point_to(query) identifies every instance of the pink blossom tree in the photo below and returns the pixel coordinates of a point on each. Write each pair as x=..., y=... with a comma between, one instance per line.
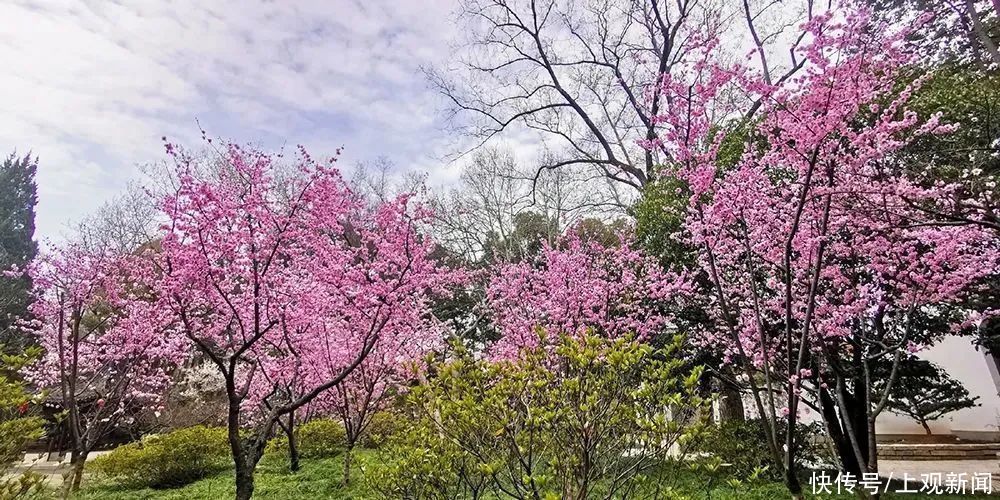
x=576, y=286
x=103, y=359
x=819, y=264
x=405, y=337
x=270, y=280
x=385, y=374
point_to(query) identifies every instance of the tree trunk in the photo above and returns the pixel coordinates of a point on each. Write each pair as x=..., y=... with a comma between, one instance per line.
x=68, y=385
x=293, y=447
x=78, y=471
x=246, y=462
x=347, y=463
x=927, y=428
x=244, y=465
x=858, y=405
x=791, y=470
x=74, y=478
x=835, y=428
x=731, y=405
x=244, y=479
x=872, y=447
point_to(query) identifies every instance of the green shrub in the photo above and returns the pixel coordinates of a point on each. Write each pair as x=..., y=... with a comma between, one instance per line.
x=18, y=427
x=321, y=438
x=166, y=460
x=421, y=464
x=15, y=434
x=743, y=447
x=317, y=438
x=23, y=486
x=383, y=426
x=584, y=419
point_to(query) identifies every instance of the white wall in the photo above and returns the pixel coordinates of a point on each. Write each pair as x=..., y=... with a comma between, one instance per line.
x=977, y=372
x=959, y=357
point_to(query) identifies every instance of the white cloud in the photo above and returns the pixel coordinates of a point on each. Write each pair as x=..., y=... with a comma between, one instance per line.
x=92, y=86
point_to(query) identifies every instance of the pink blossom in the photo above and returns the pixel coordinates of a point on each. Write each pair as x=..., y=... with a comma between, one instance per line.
x=816, y=237
x=289, y=287
x=576, y=286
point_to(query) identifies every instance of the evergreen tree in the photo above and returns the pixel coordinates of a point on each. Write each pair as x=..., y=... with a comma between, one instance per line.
x=924, y=391
x=18, y=197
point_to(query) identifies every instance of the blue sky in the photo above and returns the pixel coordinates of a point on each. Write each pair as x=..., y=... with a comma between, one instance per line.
x=91, y=87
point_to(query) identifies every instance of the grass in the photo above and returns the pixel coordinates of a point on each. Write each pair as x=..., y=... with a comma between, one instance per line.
x=322, y=478
x=316, y=479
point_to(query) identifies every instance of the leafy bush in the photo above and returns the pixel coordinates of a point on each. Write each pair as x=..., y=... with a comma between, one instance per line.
x=23, y=486
x=743, y=446
x=589, y=417
x=317, y=438
x=421, y=464
x=18, y=426
x=383, y=426
x=321, y=438
x=166, y=460
x=14, y=435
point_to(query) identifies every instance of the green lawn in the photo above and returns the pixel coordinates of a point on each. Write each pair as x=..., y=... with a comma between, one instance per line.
x=321, y=479
x=316, y=479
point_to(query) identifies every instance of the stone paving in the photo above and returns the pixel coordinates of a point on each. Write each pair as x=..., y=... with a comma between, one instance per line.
x=916, y=467
x=53, y=470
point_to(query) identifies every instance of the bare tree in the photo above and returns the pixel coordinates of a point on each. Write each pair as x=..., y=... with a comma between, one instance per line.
x=960, y=31
x=499, y=206
x=379, y=180
x=482, y=206
x=974, y=20
x=579, y=71
x=121, y=225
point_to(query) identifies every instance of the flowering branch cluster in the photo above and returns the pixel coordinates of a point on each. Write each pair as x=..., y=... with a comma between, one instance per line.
x=576, y=286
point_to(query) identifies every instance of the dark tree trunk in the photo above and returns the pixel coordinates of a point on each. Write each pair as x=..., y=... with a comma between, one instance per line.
x=859, y=407
x=872, y=448
x=835, y=428
x=927, y=428
x=731, y=405
x=791, y=468
x=859, y=425
x=78, y=471
x=246, y=460
x=293, y=447
x=839, y=423
x=243, y=461
x=244, y=479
